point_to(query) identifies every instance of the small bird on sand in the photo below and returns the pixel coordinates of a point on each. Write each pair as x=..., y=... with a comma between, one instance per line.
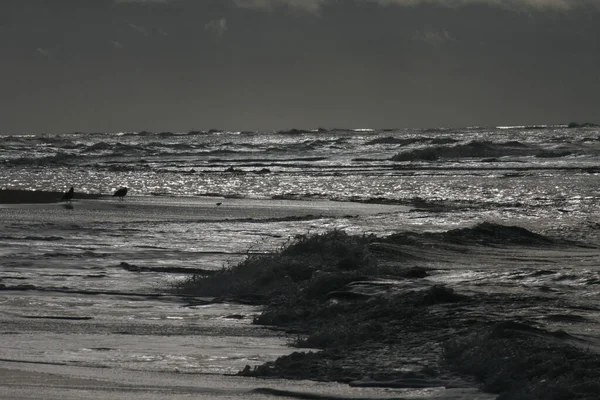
x=68, y=195
x=121, y=193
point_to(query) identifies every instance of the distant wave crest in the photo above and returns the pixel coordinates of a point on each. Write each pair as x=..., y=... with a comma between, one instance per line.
x=480, y=149
x=408, y=141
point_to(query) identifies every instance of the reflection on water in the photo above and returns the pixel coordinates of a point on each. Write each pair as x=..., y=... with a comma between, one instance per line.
x=73, y=301
x=65, y=266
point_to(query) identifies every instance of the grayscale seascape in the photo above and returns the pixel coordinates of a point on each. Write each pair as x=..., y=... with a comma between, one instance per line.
x=88, y=286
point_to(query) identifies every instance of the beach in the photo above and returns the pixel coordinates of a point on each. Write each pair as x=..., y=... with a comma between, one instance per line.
x=101, y=330
x=300, y=199
x=444, y=263
x=408, y=307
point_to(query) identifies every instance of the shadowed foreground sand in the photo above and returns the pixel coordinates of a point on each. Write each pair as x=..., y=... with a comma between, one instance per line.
x=55, y=382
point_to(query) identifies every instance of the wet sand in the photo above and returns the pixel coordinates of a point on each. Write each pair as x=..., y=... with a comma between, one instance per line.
x=126, y=341
x=409, y=316
x=51, y=382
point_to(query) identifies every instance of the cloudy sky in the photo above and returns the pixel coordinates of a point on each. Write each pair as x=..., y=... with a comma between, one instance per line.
x=178, y=65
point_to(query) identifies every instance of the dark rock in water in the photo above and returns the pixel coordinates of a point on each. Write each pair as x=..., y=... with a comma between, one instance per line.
x=263, y=171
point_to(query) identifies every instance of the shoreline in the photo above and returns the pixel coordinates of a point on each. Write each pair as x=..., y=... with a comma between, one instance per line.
x=27, y=381
x=20, y=196
x=379, y=308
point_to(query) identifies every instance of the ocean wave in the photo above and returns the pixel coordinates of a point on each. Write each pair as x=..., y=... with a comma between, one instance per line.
x=83, y=254
x=162, y=146
x=531, y=127
x=437, y=130
x=264, y=162
x=307, y=145
x=408, y=141
x=33, y=238
x=480, y=149
x=294, y=131
x=556, y=153
x=167, y=134
x=123, y=167
x=60, y=158
x=484, y=234
x=115, y=147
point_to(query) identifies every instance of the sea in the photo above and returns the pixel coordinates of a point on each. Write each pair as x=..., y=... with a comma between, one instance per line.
x=89, y=283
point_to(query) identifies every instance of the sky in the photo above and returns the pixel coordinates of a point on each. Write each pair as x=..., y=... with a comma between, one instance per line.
x=181, y=65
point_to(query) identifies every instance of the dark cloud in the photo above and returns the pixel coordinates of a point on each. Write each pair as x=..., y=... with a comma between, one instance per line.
x=126, y=65
x=315, y=6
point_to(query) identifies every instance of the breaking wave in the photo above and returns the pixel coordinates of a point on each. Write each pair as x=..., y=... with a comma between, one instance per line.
x=481, y=149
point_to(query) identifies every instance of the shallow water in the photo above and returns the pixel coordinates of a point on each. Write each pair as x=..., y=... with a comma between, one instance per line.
x=72, y=301
x=67, y=300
